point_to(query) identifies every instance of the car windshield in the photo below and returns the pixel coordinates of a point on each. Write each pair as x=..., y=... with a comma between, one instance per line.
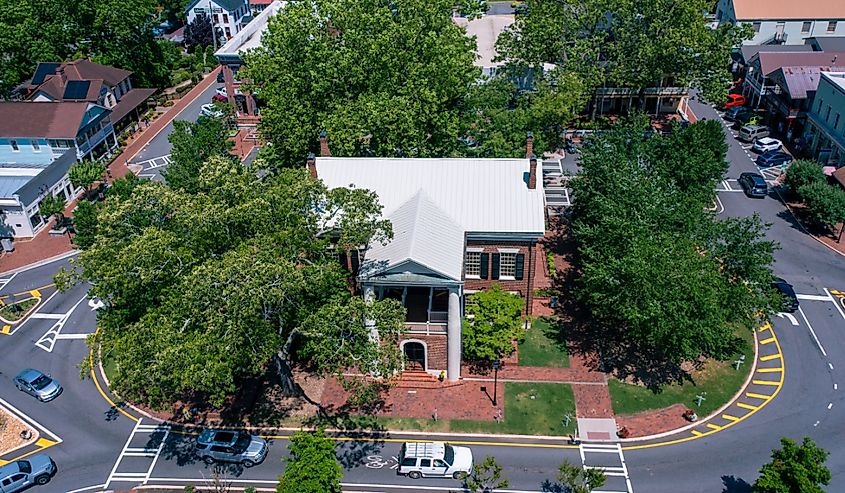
x=244, y=439
x=41, y=382
x=449, y=455
x=24, y=466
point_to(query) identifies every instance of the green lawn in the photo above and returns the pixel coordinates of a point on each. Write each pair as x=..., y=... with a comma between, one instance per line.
x=719, y=379
x=15, y=311
x=543, y=345
x=542, y=415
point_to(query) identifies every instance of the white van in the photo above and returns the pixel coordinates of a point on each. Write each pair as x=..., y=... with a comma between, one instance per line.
x=749, y=133
x=434, y=459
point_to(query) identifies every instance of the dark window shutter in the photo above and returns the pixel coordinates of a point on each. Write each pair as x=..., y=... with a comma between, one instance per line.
x=341, y=257
x=356, y=261
x=495, y=266
x=520, y=266
x=485, y=265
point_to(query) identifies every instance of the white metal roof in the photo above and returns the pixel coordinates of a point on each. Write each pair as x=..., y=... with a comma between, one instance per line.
x=480, y=195
x=423, y=233
x=250, y=36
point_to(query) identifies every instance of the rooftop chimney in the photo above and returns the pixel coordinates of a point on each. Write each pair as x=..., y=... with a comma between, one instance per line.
x=311, y=162
x=529, y=145
x=324, y=144
x=532, y=171
x=62, y=74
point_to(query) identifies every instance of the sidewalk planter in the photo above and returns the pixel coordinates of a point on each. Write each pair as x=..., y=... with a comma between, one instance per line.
x=690, y=416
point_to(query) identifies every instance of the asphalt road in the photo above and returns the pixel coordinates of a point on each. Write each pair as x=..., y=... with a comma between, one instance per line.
x=154, y=156
x=95, y=435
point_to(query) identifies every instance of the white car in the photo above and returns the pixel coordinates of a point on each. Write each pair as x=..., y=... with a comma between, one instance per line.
x=434, y=459
x=222, y=92
x=211, y=110
x=766, y=144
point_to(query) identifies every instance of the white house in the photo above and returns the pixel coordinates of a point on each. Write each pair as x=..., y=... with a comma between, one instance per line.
x=227, y=15
x=784, y=21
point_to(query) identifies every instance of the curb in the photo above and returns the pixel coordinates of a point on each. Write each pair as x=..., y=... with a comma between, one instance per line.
x=801, y=225
x=39, y=263
x=36, y=434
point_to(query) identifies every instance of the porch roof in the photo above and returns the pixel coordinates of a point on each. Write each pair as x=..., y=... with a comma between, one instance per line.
x=423, y=234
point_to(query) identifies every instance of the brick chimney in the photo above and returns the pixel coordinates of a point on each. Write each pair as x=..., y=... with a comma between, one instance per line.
x=529, y=145
x=311, y=162
x=532, y=171
x=324, y=144
x=62, y=74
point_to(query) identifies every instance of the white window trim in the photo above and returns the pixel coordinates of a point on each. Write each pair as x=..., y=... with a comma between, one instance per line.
x=508, y=250
x=474, y=250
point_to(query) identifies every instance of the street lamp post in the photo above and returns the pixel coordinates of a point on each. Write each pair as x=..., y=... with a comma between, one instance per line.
x=496, y=365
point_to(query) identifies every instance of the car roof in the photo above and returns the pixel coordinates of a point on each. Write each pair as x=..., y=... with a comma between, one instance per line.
x=29, y=374
x=767, y=140
x=770, y=154
x=209, y=435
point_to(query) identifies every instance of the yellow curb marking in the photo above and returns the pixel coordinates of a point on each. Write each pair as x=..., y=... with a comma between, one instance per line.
x=768, y=341
x=3, y=462
x=44, y=443
x=746, y=406
x=770, y=357
x=765, y=382
x=697, y=433
x=757, y=396
x=711, y=425
x=769, y=370
x=100, y=389
x=6, y=329
x=35, y=293
x=729, y=417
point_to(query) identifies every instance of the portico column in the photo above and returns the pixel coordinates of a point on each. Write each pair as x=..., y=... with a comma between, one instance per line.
x=453, y=341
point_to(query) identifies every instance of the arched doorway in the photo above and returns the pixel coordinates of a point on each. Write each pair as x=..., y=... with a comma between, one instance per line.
x=414, y=353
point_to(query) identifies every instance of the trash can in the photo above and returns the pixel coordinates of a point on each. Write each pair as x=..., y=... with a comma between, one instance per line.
x=7, y=245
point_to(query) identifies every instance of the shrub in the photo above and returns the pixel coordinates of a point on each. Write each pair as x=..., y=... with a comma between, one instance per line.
x=802, y=173
x=168, y=103
x=825, y=203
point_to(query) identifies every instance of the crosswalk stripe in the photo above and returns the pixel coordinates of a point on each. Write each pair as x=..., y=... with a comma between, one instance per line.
x=769, y=370
x=770, y=357
x=768, y=341
x=757, y=396
x=729, y=417
x=765, y=382
x=696, y=433
x=746, y=406
x=711, y=425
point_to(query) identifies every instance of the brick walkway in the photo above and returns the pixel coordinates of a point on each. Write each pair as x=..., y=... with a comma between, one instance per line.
x=465, y=401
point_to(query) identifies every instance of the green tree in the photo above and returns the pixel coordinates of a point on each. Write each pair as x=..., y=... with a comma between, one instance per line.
x=205, y=289
x=199, y=34
x=193, y=144
x=53, y=206
x=85, y=173
x=385, y=79
x=85, y=224
x=493, y=322
x=579, y=480
x=312, y=466
x=803, y=172
x=486, y=477
x=825, y=203
x=794, y=468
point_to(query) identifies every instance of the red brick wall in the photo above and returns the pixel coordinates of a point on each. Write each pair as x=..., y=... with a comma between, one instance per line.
x=436, y=349
x=525, y=287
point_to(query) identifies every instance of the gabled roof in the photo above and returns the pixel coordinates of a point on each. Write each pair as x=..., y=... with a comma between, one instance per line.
x=422, y=234
x=82, y=69
x=46, y=120
x=250, y=36
x=748, y=51
x=480, y=195
x=827, y=43
x=228, y=5
x=788, y=9
x=769, y=62
x=130, y=101
x=800, y=80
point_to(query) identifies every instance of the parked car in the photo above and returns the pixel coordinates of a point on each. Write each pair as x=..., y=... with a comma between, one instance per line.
x=766, y=144
x=732, y=113
x=734, y=100
x=222, y=92
x=773, y=158
x=754, y=185
x=220, y=77
x=790, y=299
x=749, y=133
x=21, y=474
x=231, y=446
x=747, y=118
x=434, y=459
x=219, y=99
x=37, y=384
x=211, y=110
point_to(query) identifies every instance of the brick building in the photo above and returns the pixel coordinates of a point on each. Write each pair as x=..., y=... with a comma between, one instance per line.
x=459, y=226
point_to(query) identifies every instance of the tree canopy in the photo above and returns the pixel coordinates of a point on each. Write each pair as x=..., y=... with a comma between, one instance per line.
x=623, y=43
x=200, y=33
x=493, y=322
x=662, y=280
x=312, y=466
x=193, y=144
x=794, y=468
x=110, y=32
x=205, y=288
x=85, y=173
x=382, y=78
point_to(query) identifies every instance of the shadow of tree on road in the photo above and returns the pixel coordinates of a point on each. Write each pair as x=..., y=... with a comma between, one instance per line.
x=735, y=485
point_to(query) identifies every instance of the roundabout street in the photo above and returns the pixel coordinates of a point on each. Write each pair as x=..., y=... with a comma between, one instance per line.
x=97, y=446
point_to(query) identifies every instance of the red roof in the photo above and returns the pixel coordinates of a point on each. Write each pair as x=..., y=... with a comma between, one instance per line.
x=49, y=120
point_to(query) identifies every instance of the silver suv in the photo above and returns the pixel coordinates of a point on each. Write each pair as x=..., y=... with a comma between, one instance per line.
x=21, y=474
x=231, y=446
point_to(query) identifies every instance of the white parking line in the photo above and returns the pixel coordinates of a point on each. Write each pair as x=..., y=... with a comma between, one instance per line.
x=30, y=420
x=815, y=297
x=127, y=451
x=48, y=341
x=7, y=280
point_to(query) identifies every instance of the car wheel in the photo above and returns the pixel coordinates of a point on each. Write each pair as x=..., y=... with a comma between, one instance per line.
x=208, y=460
x=42, y=479
x=414, y=475
x=461, y=475
x=247, y=463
